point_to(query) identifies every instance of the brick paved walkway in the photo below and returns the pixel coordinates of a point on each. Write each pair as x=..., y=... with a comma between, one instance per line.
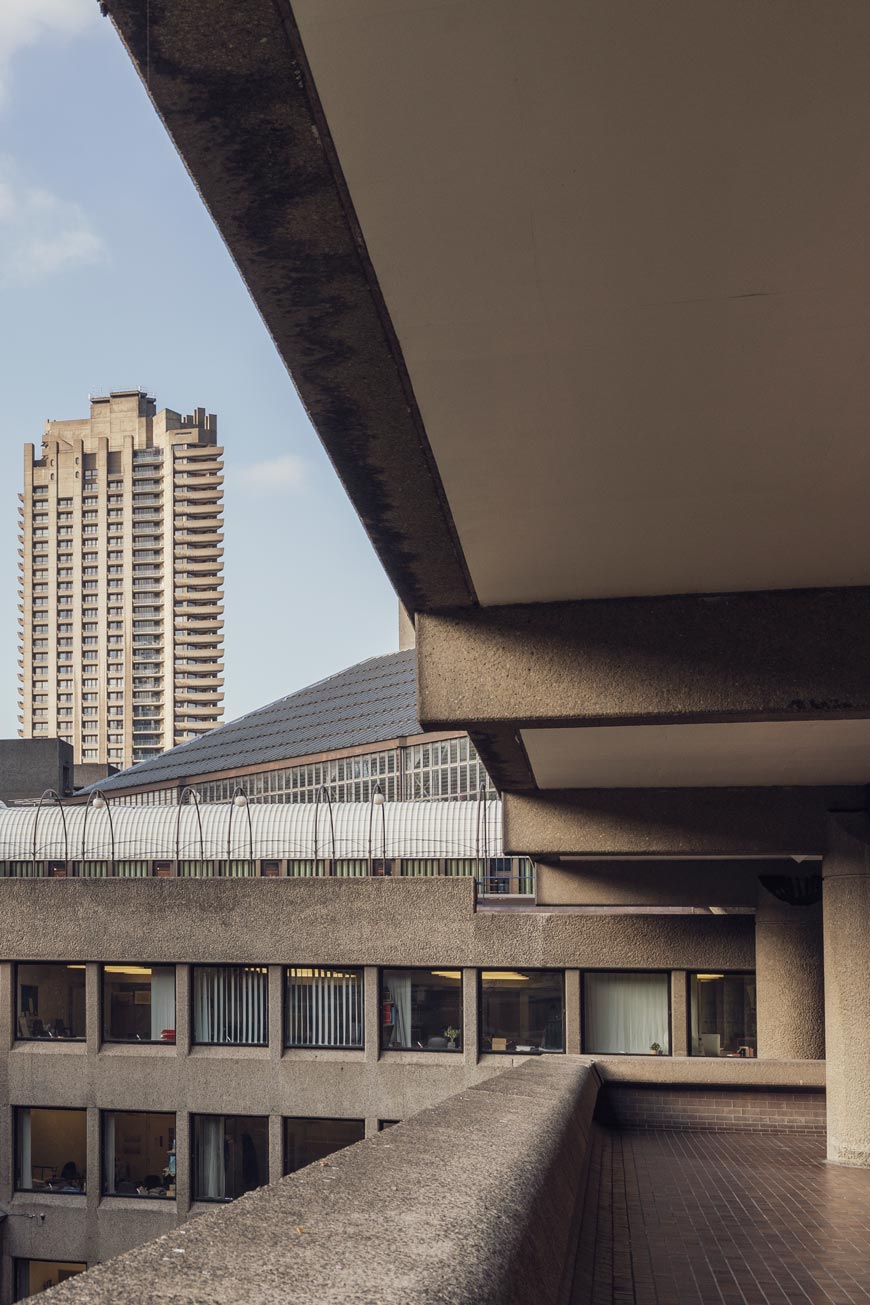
x=682, y=1218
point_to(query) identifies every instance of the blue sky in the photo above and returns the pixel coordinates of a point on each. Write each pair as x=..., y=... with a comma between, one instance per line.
x=112, y=276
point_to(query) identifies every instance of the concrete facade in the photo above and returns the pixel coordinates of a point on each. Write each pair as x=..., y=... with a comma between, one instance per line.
x=120, y=574
x=278, y=922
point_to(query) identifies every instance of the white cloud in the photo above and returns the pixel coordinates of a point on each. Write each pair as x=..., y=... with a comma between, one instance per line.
x=274, y=475
x=24, y=22
x=40, y=233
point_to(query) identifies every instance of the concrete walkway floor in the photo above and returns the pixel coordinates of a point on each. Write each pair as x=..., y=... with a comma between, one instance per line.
x=696, y=1218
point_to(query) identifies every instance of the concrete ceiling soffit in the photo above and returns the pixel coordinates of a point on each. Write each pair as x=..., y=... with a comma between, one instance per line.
x=231, y=84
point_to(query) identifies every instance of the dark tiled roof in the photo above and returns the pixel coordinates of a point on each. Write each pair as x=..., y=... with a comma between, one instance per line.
x=371, y=702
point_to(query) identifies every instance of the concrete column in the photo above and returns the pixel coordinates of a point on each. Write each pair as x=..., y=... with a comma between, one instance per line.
x=93, y=1029
x=8, y=1005
x=183, y=1162
x=789, y=979
x=846, y=902
x=573, y=1015
x=276, y=1013
x=371, y=1013
x=93, y=1164
x=183, y=1010
x=679, y=1014
x=470, y=1039
x=276, y=1148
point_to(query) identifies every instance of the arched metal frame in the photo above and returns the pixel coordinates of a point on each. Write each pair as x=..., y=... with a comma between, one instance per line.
x=238, y=791
x=482, y=837
x=328, y=796
x=83, y=845
x=190, y=792
x=381, y=806
x=50, y=793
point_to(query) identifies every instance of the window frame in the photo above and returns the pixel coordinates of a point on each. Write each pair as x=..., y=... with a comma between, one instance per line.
x=227, y=965
x=332, y=1046
x=726, y=974
x=105, y=1194
x=136, y=1042
x=601, y=969
x=530, y=969
x=16, y=1156
x=18, y=1037
x=383, y=1048
x=192, y=1117
x=316, y=1119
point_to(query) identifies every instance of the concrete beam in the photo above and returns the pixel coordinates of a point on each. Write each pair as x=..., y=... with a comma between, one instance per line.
x=428, y=922
x=232, y=85
x=787, y=655
x=655, y=883
x=674, y=822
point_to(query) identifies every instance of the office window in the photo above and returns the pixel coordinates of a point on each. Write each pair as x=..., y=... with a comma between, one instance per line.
x=722, y=1015
x=139, y=1003
x=138, y=1154
x=307, y=1140
x=323, y=1007
x=421, y=1010
x=522, y=1010
x=230, y=1005
x=626, y=1011
x=50, y=1150
x=50, y=1001
x=230, y=1156
x=34, y=1276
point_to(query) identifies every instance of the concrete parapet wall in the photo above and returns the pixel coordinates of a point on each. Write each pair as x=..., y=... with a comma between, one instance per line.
x=472, y=1202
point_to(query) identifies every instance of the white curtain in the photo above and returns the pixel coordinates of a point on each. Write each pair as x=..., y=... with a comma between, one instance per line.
x=162, y=1000
x=625, y=1012
x=109, y=1152
x=400, y=992
x=230, y=1004
x=210, y=1170
x=324, y=1008
x=25, y=1166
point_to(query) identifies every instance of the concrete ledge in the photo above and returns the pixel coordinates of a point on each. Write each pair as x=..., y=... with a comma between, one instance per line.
x=474, y=1202
x=709, y=1071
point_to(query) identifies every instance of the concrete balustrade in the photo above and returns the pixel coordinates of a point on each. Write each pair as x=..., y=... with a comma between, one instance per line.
x=476, y=1200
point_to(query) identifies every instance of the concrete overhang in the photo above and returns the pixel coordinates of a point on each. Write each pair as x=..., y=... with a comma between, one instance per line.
x=664, y=823
x=694, y=691
x=576, y=297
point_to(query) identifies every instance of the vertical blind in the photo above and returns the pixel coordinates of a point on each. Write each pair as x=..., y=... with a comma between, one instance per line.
x=324, y=1008
x=230, y=1004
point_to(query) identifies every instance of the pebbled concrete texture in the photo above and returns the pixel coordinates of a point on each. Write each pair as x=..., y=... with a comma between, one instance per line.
x=418, y=922
x=474, y=1202
x=789, y=970
x=673, y=822
x=786, y=654
x=846, y=917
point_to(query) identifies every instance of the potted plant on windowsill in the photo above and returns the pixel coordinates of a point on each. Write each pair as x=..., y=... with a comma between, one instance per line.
x=451, y=1035
x=656, y=1049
